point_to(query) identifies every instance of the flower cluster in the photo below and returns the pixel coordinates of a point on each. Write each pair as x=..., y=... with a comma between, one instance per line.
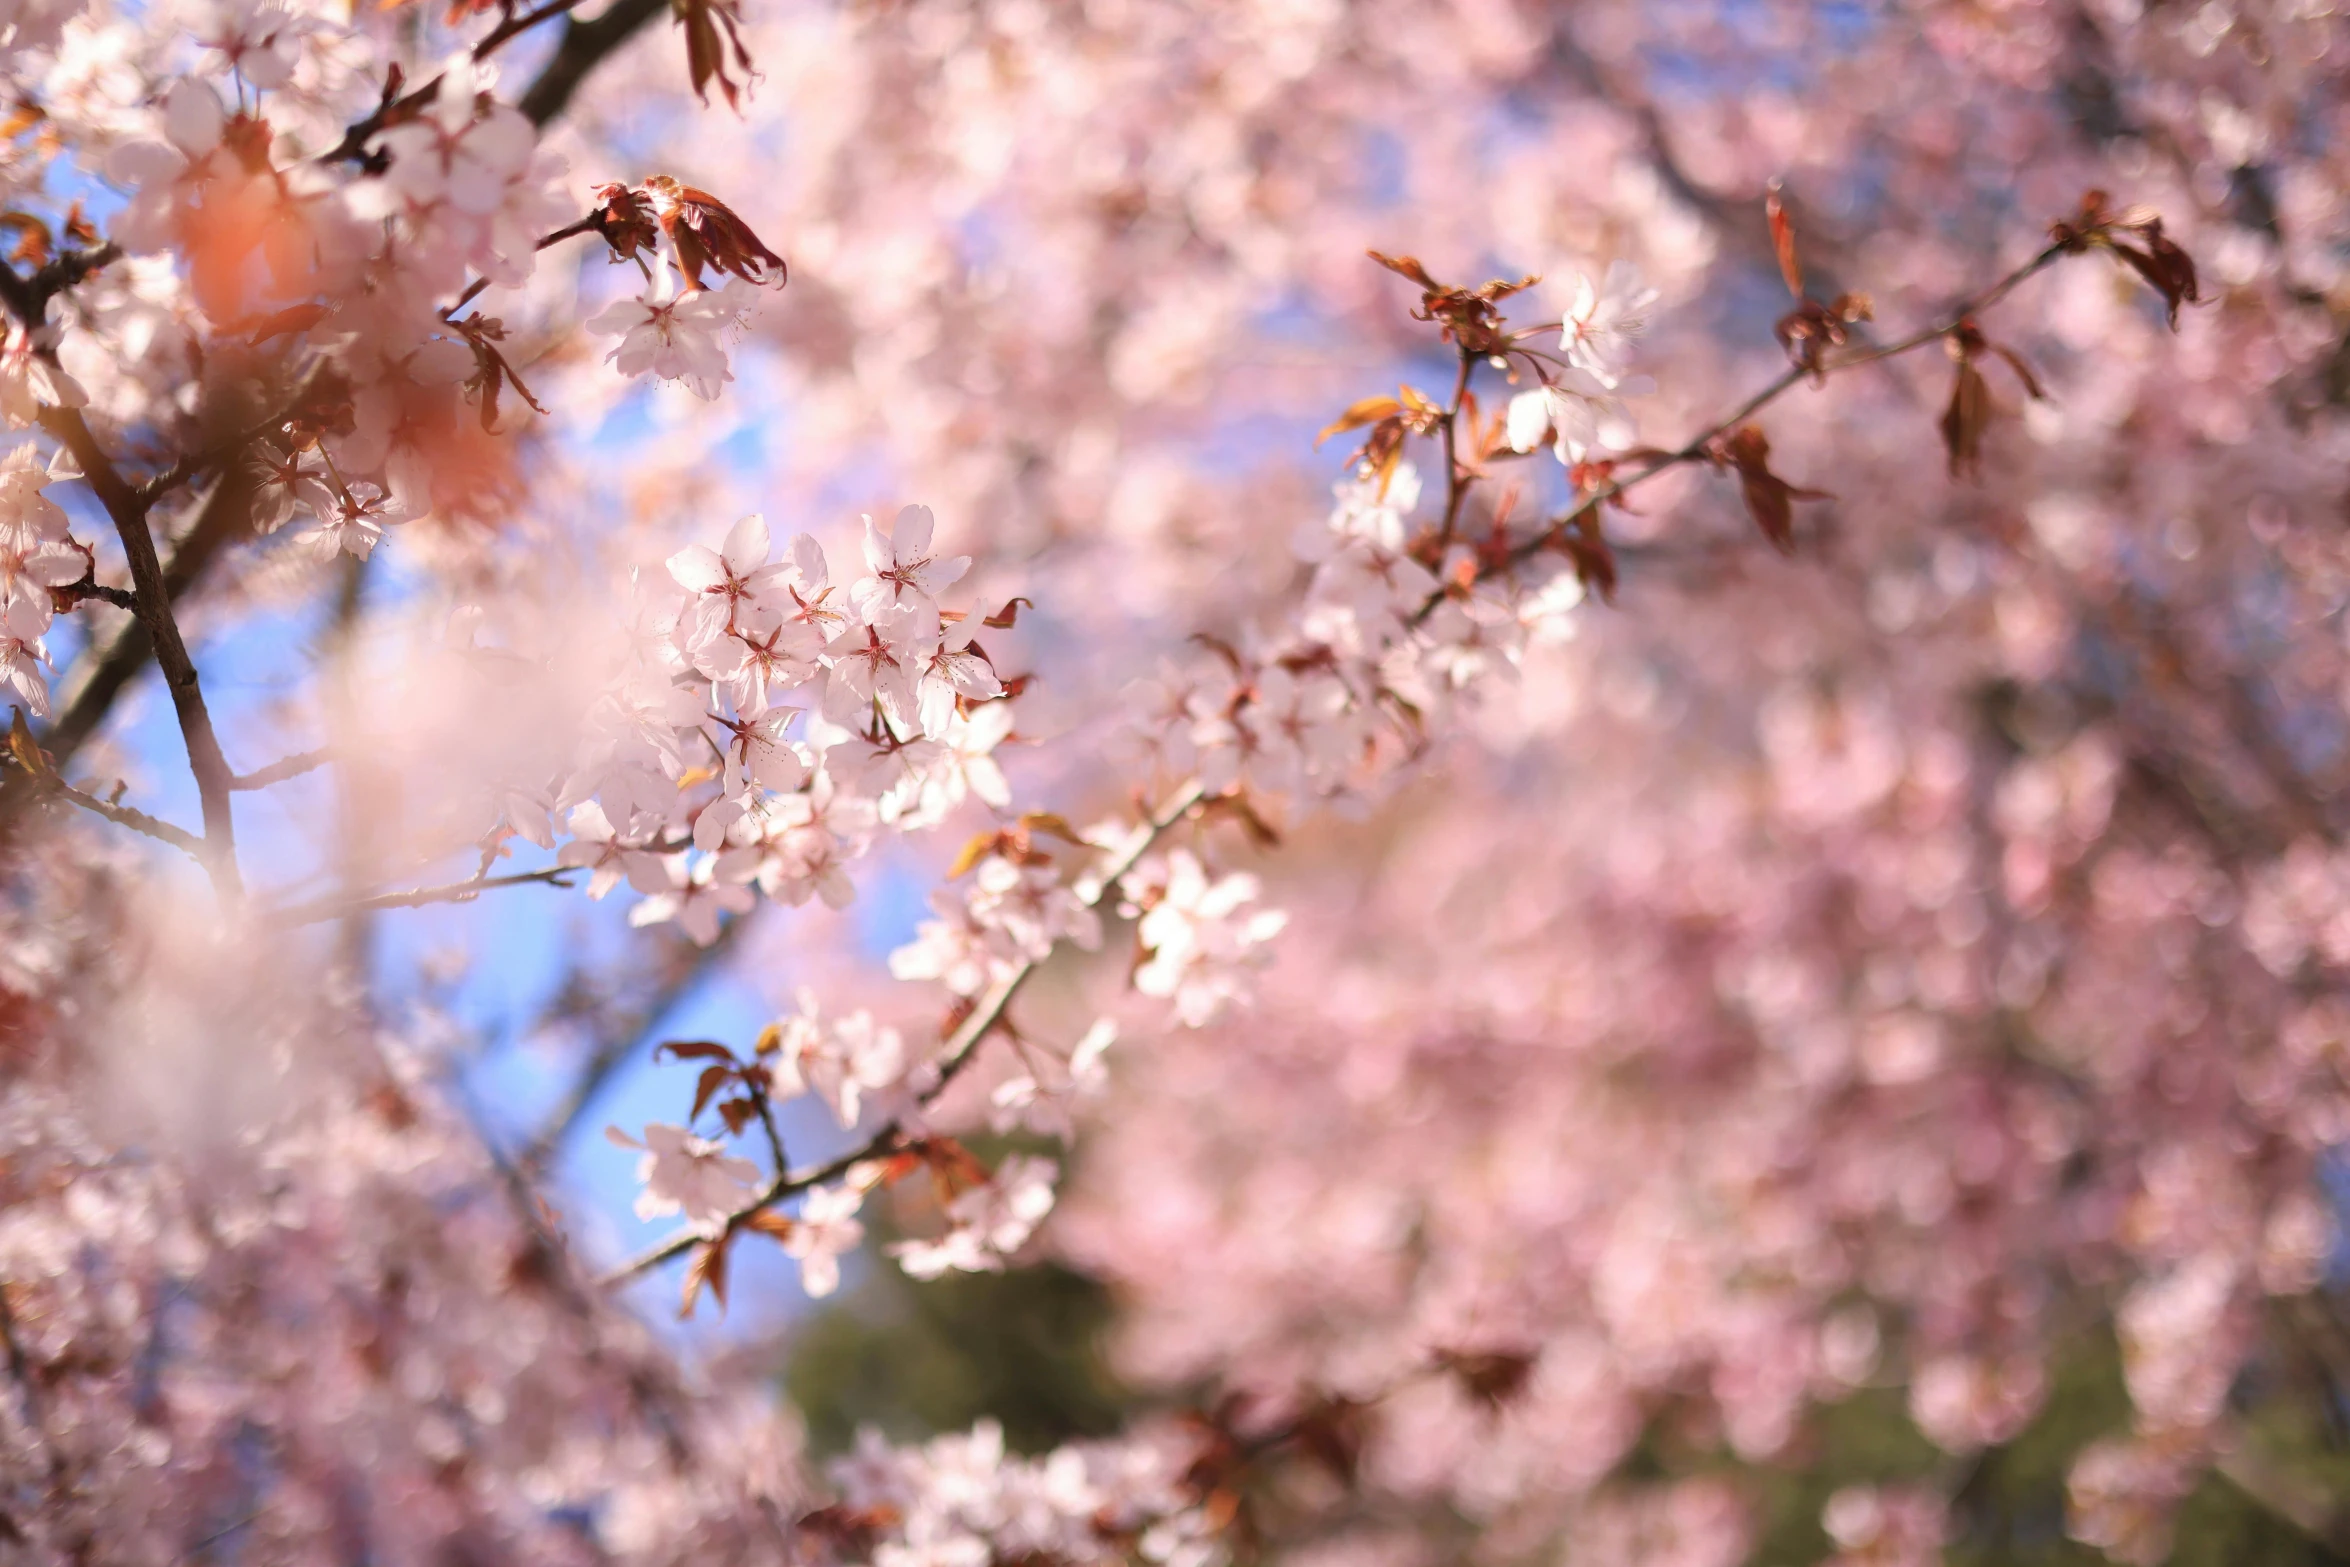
x=37, y=557
x=700, y=781
x=963, y=1498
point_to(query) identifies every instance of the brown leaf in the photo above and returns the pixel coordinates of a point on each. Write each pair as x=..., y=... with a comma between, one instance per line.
x=712, y=32
x=1769, y=498
x=976, y=848
x=693, y=1050
x=1965, y=420
x=707, y=232
x=1050, y=822
x=1492, y=1377
x=737, y=1113
x=24, y=748
x=2170, y=270
x=769, y=1222
x=1783, y=240
x=1587, y=547
x=1238, y=805
x=708, y=1268
x=1406, y=266
x=1009, y=616
x=1417, y=404
x=621, y=217
x=2023, y=372
x=1368, y=410
x=712, y=1079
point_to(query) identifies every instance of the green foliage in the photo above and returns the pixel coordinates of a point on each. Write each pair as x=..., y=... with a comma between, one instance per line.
x=2011, y=1501
x=1022, y=1347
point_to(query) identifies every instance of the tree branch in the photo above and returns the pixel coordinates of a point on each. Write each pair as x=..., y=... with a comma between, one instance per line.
x=624, y=1038
x=1698, y=446
x=582, y=47
x=205, y=758
x=466, y=891
x=956, y=1053
x=137, y=821
x=278, y=772
x=99, y=677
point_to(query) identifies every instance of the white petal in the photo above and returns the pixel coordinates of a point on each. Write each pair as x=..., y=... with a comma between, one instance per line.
x=1529, y=418
x=193, y=118
x=910, y=536
x=698, y=567
x=746, y=545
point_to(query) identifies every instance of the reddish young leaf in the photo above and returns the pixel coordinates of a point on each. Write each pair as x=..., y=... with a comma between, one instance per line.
x=707, y=1269
x=621, y=217
x=1492, y=1377
x=1783, y=240
x=1009, y=616
x=713, y=30
x=1586, y=545
x=693, y=1050
x=1769, y=498
x=707, y=232
x=1965, y=419
x=712, y=1079
x=975, y=848
x=1368, y=410
x=1406, y=266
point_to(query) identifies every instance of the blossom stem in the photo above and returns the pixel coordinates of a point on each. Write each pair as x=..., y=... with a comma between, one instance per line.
x=1456, y=487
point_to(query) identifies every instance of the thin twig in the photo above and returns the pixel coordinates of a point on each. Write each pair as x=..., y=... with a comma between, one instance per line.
x=89, y=589
x=955, y=1053
x=480, y=285
x=278, y=772
x=124, y=816
x=1701, y=445
x=224, y=453
x=514, y=26
x=465, y=891
x=632, y=1032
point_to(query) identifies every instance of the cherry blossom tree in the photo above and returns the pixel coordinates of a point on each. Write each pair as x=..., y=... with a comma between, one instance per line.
x=1764, y=830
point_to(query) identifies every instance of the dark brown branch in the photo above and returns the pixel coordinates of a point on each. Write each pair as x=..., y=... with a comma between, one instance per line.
x=582, y=47
x=205, y=758
x=518, y=23
x=89, y=589
x=29, y=300
x=20, y=1369
x=99, y=677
